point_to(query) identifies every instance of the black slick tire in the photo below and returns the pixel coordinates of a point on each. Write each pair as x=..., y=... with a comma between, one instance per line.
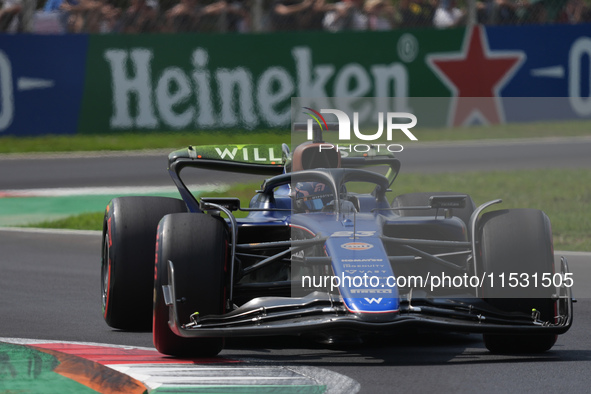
x=197, y=245
x=517, y=241
x=127, y=266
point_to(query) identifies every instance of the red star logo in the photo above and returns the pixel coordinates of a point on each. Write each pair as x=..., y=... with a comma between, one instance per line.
x=476, y=76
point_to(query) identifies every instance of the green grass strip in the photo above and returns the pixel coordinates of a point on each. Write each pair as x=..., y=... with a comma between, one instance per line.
x=134, y=141
x=564, y=195
x=83, y=221
x=576, y=128
x=175, y=140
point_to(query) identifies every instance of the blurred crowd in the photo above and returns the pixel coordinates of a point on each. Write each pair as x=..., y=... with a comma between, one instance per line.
x=173, y=16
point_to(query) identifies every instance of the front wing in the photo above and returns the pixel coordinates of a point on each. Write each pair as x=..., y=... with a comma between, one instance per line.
x=321, y=312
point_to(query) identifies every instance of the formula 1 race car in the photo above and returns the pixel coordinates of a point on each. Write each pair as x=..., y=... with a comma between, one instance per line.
x=324, y=251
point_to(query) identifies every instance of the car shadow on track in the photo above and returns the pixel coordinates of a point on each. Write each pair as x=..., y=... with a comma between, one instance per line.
x=406, y=348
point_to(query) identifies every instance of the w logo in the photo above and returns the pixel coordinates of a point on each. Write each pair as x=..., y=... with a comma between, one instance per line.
x=372, y=300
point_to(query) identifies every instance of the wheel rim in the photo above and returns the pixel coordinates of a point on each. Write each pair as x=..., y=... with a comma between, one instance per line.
x=105, y=268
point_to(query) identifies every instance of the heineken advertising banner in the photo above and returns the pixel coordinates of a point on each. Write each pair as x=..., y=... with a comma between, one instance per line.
x=117, y=83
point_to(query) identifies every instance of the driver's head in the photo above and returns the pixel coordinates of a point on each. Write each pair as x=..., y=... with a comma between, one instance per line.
x=315, y=155
x=309, y=196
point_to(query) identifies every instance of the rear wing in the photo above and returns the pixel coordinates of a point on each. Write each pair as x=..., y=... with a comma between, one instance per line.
x=260, y=159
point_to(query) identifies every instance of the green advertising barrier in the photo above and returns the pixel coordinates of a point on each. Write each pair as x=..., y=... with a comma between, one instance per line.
x=193, y=82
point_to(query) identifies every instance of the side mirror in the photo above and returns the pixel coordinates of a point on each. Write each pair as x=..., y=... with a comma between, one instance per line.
x=230, y=203
x=438, y=202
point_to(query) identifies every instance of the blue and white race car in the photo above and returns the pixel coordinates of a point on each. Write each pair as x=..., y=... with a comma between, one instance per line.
x=324, y=251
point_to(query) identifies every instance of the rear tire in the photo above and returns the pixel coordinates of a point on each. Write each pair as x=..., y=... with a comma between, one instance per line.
x=127, y=277
x=197, y=245
x=517, y=241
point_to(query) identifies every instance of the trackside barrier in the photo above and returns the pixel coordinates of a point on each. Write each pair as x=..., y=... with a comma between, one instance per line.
x=120, y=83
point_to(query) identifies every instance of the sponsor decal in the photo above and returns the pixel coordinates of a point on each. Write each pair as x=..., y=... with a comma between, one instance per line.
x=354, y=234
x=372, y=300
x=248, y=153
x=356, y=246
x=374, y=291
x=361, y=260
x=363, y=265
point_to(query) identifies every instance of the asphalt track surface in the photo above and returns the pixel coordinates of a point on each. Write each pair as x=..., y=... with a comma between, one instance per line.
x=49, y=289
x=50, y=286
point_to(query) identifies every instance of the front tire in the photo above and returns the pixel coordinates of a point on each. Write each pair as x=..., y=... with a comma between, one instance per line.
x=197, y=245
x=517, y=241
x=127, y=268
